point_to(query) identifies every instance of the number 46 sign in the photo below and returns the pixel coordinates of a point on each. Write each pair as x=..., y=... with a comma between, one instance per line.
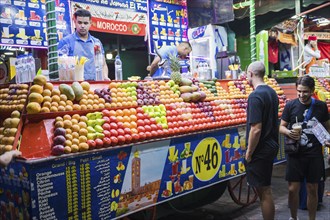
x=206, y=159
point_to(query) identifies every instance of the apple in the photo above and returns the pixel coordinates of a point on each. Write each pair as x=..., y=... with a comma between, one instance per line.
x=91, y=144
x=114, y=132
x=121, y=131
x=121, y=139
x=106, y=142
x=99, y=143
x=114, y=140
x=127, y=130
x=106, y=119
x=106, y=113
x=128, y=138
x=113, y=125
x=106, y=127
x=135, y=137
x=107, y=133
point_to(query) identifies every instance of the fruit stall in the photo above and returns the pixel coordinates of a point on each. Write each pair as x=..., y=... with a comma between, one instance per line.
x=104, y=150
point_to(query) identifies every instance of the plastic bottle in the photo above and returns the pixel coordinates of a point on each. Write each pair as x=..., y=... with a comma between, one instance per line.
x=18, y=70
x=99, y=66
x=32, y=67
x=261, y=51
x=25, y=76
x=118, y=69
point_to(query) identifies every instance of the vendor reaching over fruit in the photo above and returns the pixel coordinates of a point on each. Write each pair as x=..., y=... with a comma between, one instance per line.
x=163, y=58
x=82, y=43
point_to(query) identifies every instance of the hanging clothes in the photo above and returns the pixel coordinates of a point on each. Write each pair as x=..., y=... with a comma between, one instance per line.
x=272, y=51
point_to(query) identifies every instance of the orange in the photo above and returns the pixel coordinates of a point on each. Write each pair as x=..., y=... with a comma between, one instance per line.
x=133, y=117
x=126, y=112
x=120, y=118
x=133, y=124
x=127, y=124
x=119, y=112
x=127, y=118
x=133, y=111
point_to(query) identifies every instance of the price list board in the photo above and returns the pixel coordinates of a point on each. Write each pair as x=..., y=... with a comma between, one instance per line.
x=23, y=23
x=168, y=23
x=77, y=188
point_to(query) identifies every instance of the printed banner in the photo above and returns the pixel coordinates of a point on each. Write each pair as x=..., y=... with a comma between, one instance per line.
x=23, y=23
x=168, y=23
x=117, y=17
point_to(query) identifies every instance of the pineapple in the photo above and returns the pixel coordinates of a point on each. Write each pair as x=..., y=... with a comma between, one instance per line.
x=175, y=69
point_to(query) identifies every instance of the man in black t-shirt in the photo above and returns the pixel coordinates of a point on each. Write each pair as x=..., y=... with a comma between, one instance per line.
x=308, y=163
x=262, y=137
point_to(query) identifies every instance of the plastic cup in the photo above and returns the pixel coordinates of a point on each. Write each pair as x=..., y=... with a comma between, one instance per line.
x=297, y=128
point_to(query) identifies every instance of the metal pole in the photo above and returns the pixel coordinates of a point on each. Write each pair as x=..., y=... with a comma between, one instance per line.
x=252, y=31
x=300, y=33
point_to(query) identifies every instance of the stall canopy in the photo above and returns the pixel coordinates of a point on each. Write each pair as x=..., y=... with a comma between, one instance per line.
x=272, y=12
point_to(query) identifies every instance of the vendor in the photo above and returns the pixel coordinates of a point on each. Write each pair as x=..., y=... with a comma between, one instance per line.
x=311, y=52
x=82, y=43
x=163, y=58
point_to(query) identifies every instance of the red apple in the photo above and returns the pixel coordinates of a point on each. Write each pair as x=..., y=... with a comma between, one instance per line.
x=127, y=130
x=114, y=140
x=106, y=112
x=113, y=118
x=141, y=129
x=128, y=138
x=106, y=142
x=147, y=128
x=106, y=127
x=121, y=131
x=140, y=122
x=153, y=127
x=113, y=125
x=91, y=144
x=99, y=143
x=107, y=133
x=106, y=119
x=121, y=139
x=114, y=132
x=135, y=137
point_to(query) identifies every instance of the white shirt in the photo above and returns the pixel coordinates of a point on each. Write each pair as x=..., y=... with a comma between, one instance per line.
x=309, y=53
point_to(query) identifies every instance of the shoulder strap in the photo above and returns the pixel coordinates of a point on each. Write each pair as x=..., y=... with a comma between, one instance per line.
x=309, y=112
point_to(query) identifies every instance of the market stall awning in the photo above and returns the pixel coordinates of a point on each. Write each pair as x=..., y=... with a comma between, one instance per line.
x=266, y=6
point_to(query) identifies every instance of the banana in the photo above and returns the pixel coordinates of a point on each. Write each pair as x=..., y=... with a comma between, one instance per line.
x=117, y=192
x=113, y=193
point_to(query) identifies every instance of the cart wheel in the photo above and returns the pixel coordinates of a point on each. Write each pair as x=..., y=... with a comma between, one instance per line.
x=240, y=192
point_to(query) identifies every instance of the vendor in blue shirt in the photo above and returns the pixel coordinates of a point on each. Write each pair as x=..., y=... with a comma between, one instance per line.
x=163, y=58
x=82, y=43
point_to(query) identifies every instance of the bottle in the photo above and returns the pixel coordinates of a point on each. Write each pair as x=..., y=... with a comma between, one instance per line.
x=99, y=66
x=18, y=70
x=32, y=67
x=261, y=50
x=118, y=69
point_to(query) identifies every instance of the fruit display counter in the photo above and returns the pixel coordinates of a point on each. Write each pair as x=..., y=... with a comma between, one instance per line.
x=103, y=150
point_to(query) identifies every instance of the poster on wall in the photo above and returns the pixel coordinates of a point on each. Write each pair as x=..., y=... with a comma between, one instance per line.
x=23, y=23
x=168, y=23
x=116, y=17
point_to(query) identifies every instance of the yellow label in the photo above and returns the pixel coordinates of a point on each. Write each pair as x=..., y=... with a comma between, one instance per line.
x=206, y=159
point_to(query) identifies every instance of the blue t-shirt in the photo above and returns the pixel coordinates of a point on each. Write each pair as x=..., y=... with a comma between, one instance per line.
x=165, y=53
x=72, y=45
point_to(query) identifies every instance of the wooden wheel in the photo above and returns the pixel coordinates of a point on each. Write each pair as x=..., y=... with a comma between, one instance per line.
x=240, y=192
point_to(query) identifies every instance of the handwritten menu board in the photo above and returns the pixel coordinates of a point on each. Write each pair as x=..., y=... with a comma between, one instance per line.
x=168, y=23
x=81, y=184
x=23, y=23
